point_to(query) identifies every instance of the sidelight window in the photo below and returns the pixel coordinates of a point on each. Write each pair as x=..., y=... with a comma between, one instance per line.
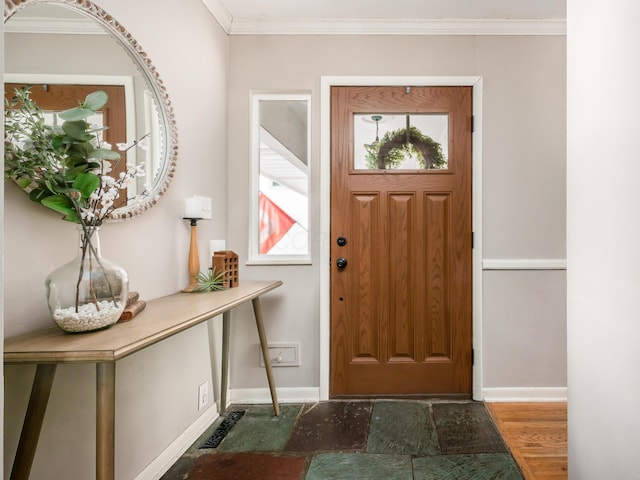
x=279, y=230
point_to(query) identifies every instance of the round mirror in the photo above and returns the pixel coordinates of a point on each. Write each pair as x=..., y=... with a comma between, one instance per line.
x=61, y=47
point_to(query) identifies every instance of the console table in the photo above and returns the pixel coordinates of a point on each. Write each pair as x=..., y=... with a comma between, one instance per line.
x=162, y=318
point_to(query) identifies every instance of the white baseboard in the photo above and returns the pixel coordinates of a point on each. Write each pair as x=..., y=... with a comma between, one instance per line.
x=312, y=394
x=285, y=395
x=525, y=394
x=163, y=462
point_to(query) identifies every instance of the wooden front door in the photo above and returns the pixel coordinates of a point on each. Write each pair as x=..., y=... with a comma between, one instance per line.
x=401, y=240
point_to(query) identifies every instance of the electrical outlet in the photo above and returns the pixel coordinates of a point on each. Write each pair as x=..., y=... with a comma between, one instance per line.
x=282, y=354
x=203, y=395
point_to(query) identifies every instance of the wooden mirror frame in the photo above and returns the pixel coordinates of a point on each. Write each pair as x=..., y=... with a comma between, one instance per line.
x=141, y=59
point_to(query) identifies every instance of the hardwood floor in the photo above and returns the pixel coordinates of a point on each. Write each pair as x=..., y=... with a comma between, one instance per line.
x=536, y=434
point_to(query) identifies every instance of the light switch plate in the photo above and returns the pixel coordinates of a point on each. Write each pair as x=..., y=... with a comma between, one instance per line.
x=203, y=395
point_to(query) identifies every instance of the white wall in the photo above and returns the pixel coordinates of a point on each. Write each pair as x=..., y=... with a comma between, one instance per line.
x=523, y=190
x=157, y=388
x=603, y=238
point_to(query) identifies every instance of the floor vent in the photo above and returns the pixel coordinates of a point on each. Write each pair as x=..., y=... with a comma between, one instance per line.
x=227, y=424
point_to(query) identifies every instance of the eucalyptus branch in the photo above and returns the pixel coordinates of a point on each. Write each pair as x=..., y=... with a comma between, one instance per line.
x=67, y=168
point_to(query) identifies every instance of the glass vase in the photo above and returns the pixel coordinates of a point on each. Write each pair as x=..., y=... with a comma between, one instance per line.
x=90, y=292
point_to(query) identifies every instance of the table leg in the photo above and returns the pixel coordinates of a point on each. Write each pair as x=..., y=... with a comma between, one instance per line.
x=257, y=310
x=105, y=420
x=224, y=384
x=32, y=425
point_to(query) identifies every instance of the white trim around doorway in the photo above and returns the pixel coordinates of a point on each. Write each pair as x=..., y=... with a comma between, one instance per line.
x=326, y=82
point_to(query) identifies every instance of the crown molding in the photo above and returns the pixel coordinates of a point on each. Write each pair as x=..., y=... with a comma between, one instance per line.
x=74, y=26
x=220, y=13
x=251, y=26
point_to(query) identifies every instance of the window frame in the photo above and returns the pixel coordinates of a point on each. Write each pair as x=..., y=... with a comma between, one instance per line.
x=254, y=256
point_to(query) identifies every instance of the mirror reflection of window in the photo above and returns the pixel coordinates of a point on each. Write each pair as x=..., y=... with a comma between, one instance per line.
x=56, y=96
x=281, y=206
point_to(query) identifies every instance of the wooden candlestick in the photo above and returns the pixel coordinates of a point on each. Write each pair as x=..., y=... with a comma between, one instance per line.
x=194, y=258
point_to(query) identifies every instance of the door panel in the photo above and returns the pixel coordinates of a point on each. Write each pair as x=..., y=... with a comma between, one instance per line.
x=402, y=252
x=365, y=208
x=438, y=318
x=401, y=307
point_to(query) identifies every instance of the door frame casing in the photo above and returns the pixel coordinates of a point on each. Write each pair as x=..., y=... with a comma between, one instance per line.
x=326, y=82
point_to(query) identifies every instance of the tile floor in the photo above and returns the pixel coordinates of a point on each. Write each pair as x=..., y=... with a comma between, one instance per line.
x=349, y=440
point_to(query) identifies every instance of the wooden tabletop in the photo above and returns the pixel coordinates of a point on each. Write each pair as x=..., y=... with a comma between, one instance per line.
x=161, y=318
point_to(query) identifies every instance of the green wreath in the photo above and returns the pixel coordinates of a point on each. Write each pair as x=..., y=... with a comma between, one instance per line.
x=391, y=150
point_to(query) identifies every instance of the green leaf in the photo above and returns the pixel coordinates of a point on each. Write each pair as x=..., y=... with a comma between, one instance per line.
x=96, y=100
x=75, y=114
x=59, y=203
x=104, y=154
x=86, y=183
x=78, y=152
x=52, y=186
x=77, y=130
x=39, y=194
x=72, y=217
x=73, y=173
x=57, y=142
x=23, y=182
x=62, y=204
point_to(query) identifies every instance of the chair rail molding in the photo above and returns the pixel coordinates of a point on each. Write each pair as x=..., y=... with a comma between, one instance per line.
x=338, y=26
x=524, y=264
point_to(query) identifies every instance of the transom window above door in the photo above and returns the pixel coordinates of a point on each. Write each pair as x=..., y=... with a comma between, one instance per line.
x=401, y=141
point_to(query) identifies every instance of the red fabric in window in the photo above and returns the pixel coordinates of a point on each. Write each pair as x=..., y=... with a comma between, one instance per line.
x=274, y=223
